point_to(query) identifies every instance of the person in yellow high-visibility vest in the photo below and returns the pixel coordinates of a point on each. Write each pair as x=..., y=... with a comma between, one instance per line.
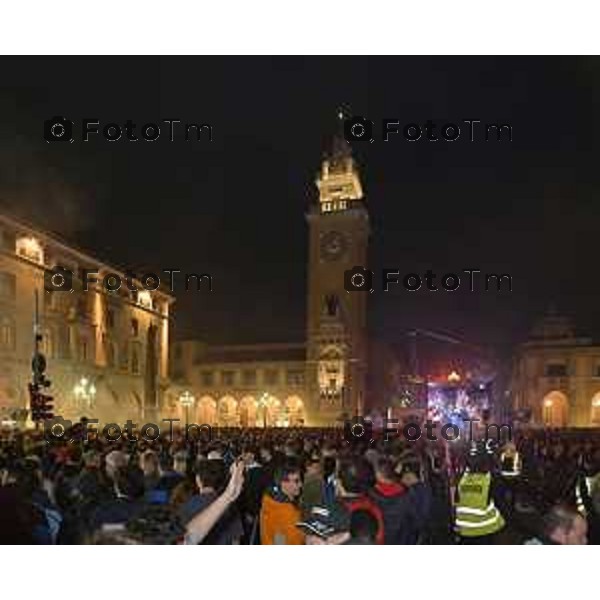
x=511, y=480
x=510, y=461
x=477, y=518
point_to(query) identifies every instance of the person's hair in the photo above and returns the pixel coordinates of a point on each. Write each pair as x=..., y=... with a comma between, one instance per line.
x=328, y=466
x=312, y=460
x=251, y=449
x=356, y=474
x=166, y=461
x=363, y=526
x=180, y=462
x=149, y=458
x=288, y=467
x=212, y=473
x=480, y=462
x=26, y=475
x=156, y=525
x=130, y=482
x=114, y=461
x=182, y=492
x=267, y=448
x=385, y=467
x=559, y=517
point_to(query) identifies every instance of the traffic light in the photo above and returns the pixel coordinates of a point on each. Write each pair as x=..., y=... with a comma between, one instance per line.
x=47, y=407
x=41, y=405
x=34, y=402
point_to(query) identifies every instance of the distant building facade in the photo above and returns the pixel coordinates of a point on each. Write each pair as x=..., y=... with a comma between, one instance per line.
x=247, y=385
x=556, y=376
x=319, y=382
x=107, y=352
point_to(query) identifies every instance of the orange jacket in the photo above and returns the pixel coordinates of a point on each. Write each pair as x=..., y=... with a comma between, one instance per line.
x=278, y=522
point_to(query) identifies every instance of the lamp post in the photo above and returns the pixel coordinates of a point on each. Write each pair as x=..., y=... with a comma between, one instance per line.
x=547, y=416
x=85, y=392
x=186, y=400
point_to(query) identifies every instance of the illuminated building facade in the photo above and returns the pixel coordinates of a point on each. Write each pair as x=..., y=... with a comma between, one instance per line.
x=319, y=382
x=247, y=385
x=107, y=352
x=556, y=377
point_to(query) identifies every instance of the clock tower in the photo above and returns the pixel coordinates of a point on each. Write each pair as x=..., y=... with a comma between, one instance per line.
x=336, y=324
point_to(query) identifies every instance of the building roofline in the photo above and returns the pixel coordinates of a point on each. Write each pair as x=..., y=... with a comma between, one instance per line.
x=241, y=347
x=565, y=344
x=51, y=238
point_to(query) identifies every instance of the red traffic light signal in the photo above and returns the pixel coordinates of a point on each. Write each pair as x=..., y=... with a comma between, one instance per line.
x=47, y=407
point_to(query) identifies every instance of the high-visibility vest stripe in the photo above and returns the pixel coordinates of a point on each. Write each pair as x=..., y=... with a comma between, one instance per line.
x=477, y=524
x=467, y=510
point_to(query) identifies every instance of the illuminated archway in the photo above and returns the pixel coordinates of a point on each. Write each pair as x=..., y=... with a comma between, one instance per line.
x=269, y=409
x=274, y=411
x=228, y=415
x=206, y=411
x=595, y=410
x=294, y=409
x=248, y=411
x=555, y=409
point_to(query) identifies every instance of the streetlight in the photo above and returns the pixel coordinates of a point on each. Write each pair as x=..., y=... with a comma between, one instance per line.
x=186, y=400
x=454, y=377
x=85, y=392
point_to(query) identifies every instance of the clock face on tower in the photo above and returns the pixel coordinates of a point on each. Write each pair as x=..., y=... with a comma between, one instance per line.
x=333, y=245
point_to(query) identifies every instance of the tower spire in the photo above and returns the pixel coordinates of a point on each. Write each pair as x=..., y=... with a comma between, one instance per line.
x=340, y=148
x=339, y=180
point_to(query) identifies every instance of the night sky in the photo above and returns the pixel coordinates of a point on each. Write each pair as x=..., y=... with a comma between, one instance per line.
x=234, y=207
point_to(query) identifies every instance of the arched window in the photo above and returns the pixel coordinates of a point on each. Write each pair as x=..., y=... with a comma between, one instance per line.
x=555, y=406
x=331, y=305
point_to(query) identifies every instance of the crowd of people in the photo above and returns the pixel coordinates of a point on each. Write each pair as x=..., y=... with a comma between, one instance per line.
x=299, y=486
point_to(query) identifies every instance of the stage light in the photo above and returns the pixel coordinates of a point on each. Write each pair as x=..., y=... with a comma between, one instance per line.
x=453, y=377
